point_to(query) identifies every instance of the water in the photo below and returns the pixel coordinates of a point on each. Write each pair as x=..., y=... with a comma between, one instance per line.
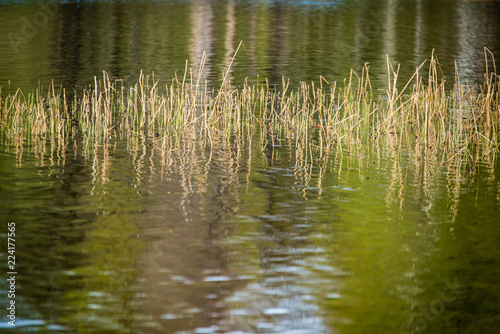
x=73, y=41
x=126, y=238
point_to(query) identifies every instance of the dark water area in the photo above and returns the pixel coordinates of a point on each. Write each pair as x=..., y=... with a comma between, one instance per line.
x=122, y=236
x=71, y=42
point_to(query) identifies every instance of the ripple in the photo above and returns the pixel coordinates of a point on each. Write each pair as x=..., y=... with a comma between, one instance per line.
x=216, y=279
x=343, y=188
x=241, y=312
x=276, y=311
x=23, y=322
x=171, y=316
x=207, y=330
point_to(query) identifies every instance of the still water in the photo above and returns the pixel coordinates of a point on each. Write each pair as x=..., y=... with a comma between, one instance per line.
x=126, y=238
x=70, y=42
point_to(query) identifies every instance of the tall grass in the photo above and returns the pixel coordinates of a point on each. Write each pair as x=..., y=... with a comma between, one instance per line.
x=421, y=112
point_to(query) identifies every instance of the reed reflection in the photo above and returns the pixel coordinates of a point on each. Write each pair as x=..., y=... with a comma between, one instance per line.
x=186, y=275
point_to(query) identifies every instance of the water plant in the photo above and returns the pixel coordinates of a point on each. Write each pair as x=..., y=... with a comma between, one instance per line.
x=330, y=117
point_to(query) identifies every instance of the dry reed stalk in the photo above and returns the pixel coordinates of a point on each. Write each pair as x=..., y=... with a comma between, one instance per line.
x=316, y=119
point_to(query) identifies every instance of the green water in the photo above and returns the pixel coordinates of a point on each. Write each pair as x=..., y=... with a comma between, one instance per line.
x=123, y=240
x=125, y=237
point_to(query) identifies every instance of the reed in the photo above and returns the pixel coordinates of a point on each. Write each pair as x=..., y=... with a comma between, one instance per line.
x=315, y=119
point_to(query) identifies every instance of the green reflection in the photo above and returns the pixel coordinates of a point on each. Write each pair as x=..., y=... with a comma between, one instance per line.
x=412, y=257
x=364, y=240
x=76, y=244
x=189, y=237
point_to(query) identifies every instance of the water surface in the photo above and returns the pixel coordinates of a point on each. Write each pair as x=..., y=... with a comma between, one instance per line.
x=128, y=237
x=71, y=42
x=216, y=241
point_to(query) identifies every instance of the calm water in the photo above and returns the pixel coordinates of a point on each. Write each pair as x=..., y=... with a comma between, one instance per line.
x=126, y=238
x=123, y=240
x=74, y=41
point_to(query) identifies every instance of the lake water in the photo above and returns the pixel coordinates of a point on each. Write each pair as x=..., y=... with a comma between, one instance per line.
x=125, y=237
x=73, y=41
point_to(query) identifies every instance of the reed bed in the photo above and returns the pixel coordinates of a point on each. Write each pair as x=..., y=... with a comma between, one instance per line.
x=462, y=121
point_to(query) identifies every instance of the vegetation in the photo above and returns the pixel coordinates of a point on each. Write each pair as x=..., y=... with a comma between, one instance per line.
x=462, y=121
